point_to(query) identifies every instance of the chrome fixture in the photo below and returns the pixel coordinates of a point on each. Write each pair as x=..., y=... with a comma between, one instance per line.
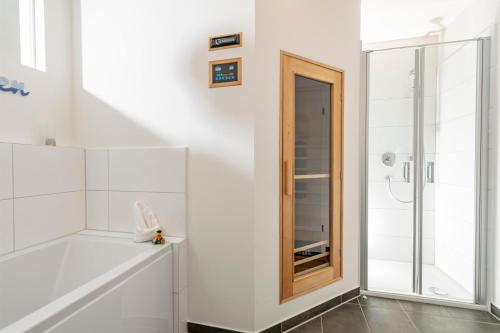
x=406, y=171
x=430, y=172
x=389, y=159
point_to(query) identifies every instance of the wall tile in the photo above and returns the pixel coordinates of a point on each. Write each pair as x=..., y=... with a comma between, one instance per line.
x=458, y=102
x=428, y=228
x=390, y=248
x=96, y=169
x=379, y=196
x=393, y=67
x=97, y=210
x=428, y=251
x=390, y=222
x=390, y=139
x=456, y=202
x=457, y=135
x=6, y=226
x=456, y=168
x=43, y=218
x=147, y=169
x=391, y=112
x=169, y=207
x=5, y=170
x=44, y=170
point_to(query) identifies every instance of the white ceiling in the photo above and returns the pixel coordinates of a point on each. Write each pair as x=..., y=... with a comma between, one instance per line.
x=384, y=20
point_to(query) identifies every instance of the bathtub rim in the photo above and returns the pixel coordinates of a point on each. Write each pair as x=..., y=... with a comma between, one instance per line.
x=57, y=310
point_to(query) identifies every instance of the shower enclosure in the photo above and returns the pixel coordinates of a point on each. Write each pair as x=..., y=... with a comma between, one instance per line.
x=425, y=170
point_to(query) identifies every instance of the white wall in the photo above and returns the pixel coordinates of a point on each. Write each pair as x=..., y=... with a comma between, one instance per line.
x=142, y=80
x=327, y=31
x=482, y=19
x=48, y=108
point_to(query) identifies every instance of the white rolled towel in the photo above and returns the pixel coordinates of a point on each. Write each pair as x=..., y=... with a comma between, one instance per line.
x=146, y=223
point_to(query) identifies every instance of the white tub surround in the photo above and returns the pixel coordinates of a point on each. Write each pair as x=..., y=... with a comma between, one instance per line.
x=117, y=177
x=42, y=194
x=88, y=283
x=179, y=271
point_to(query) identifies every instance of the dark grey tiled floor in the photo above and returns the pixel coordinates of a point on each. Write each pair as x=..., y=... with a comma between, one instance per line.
x=382, y=315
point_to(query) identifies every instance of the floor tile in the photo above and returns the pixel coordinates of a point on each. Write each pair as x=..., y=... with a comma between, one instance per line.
x=345, y=319
x=381, y=320
x=432, y=309
x=467, y=326
x=474, y=315
x=379, y=302
x=433, y=324
x=313, y=326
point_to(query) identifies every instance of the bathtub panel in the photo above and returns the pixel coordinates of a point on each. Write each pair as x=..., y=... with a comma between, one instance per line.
x=6, y=226
x=43, y=218
x=27, y=281
x=5, y=171
x=142, y=303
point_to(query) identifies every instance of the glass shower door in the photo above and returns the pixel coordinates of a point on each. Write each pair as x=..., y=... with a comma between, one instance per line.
x=426, y=170
x=390, y=170
x=449, y=175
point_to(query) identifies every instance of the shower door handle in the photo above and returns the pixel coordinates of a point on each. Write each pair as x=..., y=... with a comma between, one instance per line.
x=430, y=172
x=406, y=172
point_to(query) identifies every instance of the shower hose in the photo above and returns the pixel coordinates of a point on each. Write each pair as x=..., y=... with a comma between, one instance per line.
x=389, y=188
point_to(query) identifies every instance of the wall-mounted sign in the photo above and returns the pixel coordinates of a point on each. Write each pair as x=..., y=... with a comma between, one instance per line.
x=225, y=42
x=12, y=86
x=223, y=73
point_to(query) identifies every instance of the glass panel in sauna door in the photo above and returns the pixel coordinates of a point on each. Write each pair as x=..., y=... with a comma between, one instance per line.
x=313, y=102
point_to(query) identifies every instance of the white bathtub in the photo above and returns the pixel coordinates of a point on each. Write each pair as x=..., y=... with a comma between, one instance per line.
x=87, y=284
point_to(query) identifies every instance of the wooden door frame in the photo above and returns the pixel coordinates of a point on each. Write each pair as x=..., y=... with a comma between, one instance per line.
x=290, y=286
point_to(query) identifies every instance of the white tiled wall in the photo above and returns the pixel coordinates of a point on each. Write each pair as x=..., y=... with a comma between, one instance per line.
x=47, y=170
x=5, y=171
x=42, y=194
x=6, y=226
x=147, y=170
x=46, y=217
x=118, y=177
x=49, y=192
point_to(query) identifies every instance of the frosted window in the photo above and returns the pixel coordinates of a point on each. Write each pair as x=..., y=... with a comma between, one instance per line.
x=32, y=33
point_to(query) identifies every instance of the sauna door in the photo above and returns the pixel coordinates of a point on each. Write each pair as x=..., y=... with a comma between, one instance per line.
x=311, y=175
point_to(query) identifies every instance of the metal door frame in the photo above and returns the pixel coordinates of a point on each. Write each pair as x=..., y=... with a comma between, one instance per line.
x=481, y=171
